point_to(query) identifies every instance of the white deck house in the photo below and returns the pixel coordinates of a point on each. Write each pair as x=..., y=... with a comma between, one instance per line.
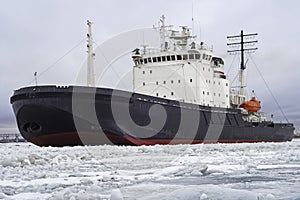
x=181, y=70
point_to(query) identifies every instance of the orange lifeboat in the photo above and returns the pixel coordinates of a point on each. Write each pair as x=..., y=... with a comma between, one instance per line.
x=251, y=106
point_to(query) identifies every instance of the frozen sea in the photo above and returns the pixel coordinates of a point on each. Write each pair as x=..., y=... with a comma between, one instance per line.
x=258, y=171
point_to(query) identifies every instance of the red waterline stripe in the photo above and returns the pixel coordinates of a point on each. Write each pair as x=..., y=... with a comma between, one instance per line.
x=72, y=138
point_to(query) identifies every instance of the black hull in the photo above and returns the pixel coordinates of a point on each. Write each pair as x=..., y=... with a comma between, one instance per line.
x=45, y=117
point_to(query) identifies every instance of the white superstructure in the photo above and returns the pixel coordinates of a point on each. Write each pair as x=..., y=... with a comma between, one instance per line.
x=181, y=70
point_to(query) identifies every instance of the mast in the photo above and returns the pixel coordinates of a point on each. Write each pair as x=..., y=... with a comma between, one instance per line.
x=243, y=67
x=241, y=44
x=163, y=33
x=91, y=55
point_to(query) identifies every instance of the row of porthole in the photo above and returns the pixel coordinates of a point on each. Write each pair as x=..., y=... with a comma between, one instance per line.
x=149, y=72
x=207, y=81
x=165, y=82
x=172, y=94
x=214, y=94
x=191, y=80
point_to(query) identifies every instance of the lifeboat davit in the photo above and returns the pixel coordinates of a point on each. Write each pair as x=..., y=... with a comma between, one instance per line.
x=251, y=106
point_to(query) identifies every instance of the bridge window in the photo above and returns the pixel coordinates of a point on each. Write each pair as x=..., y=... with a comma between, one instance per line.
x=163, y=58
x=206, y=57
x=197, y=56
x=149, y=60
x=185, y=57
x=191, y=56
x=154, y=59
x=158, y=59
x=173, y=57
x=168, y=58
x=145, y=60
x=179, y=57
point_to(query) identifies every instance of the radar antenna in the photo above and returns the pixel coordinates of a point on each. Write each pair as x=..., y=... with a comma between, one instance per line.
x=241, y=44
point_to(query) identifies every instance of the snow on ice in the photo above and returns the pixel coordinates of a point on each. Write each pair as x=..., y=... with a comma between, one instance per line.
x=260, y=171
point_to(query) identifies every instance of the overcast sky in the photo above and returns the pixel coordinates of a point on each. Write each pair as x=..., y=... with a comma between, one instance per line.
x=34, y=34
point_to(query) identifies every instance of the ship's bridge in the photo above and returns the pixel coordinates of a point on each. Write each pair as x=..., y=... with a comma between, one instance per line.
x=167, y=56
x=181, y=69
